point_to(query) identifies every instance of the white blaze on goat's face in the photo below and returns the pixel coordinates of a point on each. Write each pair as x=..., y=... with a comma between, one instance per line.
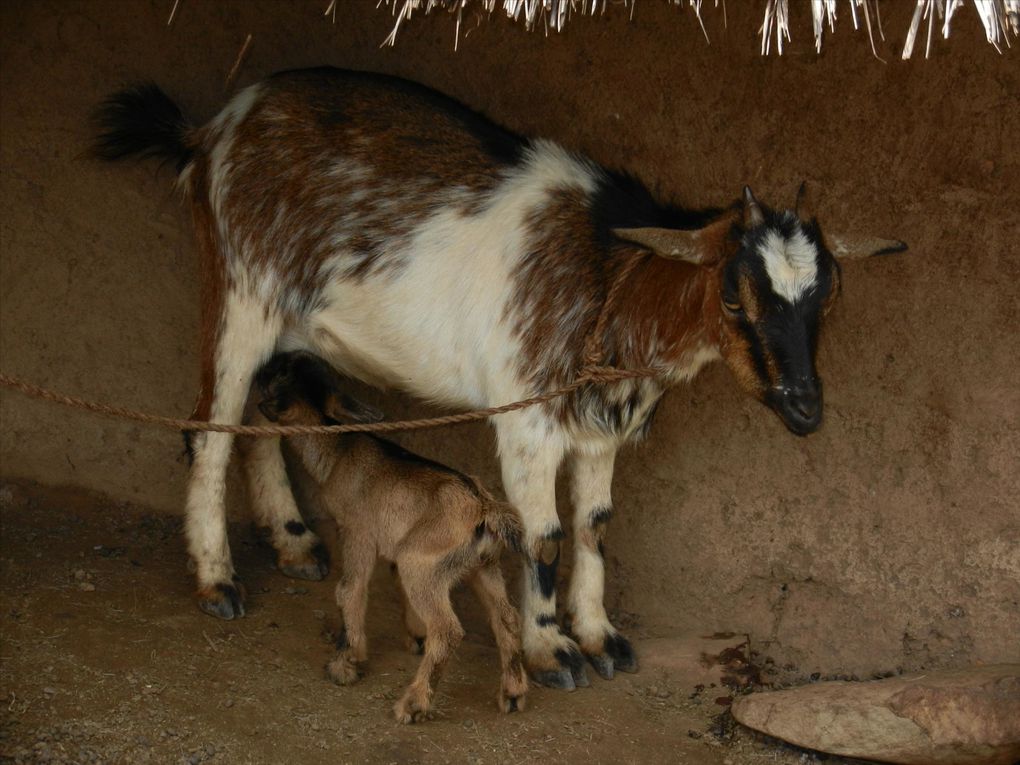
x=791, y=263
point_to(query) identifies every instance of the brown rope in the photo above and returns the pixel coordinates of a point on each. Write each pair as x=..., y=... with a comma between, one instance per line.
x=591, y=373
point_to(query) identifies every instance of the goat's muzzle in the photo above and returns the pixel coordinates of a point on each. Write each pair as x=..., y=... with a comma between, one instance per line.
x=798, y=405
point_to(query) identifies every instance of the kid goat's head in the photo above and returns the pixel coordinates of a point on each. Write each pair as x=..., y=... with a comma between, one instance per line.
x=774, y=276
x=300, y=388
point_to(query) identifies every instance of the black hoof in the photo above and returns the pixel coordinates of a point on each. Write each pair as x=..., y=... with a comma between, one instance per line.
x=223, y=600
x=603, y=665
x=561, y=679
x=618, y=649
x=314, y=570
x=512, y=705
x=418, y=645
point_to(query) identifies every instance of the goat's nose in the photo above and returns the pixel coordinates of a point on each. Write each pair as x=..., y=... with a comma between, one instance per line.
x=805, y=402
x=801, y=406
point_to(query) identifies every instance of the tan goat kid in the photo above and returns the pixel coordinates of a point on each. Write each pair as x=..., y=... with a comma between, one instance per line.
x=438, y=527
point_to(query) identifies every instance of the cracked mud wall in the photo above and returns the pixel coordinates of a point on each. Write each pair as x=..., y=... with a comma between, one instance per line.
x=889, y=539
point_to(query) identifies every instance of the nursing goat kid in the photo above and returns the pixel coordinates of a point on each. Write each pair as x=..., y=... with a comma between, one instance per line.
x=437, y=526
x=416, y=245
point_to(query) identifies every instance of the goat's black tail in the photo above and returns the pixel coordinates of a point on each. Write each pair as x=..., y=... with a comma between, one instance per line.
x=142, y=121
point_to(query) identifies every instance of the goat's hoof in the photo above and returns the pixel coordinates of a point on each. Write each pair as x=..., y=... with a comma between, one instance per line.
x=509, y=704
x=614, y=655
x=568, y=676
x=343, y=671
x=603, y=665
x=415, y=644
x=621, y=652
x=223, y=600
x=314, y=566
x=409, y=711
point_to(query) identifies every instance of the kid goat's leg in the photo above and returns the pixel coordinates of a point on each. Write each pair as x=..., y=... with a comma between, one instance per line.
x=605, y=648
x=428, y=594
x=530, y=450
x=299, y=552
x=490, y=588
x=246, y=337
x=352, y=598
x=413, y=625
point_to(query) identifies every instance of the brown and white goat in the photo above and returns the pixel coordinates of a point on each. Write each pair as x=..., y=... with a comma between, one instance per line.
x=437, y=526
x=416, y=245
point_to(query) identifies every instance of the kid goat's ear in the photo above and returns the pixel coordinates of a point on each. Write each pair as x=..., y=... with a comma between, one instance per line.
x=346, y=408
x=270, y=407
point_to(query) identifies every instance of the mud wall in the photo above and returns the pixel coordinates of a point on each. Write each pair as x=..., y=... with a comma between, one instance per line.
x=889, y=539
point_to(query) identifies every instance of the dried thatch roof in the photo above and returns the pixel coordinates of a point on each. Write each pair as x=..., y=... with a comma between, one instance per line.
x=1000, y=18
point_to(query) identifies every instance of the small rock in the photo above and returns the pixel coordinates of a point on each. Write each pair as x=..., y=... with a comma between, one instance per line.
x=80, y=575
x=959, y=717
x=86, y=587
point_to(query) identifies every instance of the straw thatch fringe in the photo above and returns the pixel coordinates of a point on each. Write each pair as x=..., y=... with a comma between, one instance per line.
x=1000, y=18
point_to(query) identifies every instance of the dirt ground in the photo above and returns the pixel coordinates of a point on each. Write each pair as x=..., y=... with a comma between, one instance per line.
x=101, y=663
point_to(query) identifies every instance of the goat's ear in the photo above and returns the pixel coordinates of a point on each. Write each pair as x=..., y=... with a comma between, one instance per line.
x=345, y=408
x=698, y=246
x=804, y=207
x=270, y=407
x=753, y=215
x=857, y=247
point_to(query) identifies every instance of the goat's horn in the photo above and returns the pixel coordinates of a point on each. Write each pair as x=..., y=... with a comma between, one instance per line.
x=752, y=210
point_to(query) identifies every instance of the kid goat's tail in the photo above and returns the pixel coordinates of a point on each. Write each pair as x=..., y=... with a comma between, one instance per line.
x=504, y=523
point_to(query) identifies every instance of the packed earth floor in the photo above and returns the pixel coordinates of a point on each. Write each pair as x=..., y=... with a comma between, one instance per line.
x=106, y=659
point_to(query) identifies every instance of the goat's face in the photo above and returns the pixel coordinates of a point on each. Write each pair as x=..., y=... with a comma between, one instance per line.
x=773, y=293
x=300, y=388
x=774, y=278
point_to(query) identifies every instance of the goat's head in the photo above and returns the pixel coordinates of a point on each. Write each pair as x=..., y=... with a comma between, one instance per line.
x=774, y=277
x=300, y=388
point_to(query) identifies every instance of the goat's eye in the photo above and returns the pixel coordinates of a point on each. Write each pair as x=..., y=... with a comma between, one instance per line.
x=732, y=306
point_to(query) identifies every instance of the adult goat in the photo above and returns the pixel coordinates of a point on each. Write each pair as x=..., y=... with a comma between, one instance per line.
x=416, y=245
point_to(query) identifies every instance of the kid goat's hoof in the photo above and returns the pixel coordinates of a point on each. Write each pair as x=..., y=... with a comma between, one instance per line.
x=314, y=566
x=409, y=711
x=223, y=600
x=508, y=704
x=343, y=672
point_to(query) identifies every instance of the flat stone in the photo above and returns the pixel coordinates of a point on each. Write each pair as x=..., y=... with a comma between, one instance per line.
x=959, y=717
x=720, y=659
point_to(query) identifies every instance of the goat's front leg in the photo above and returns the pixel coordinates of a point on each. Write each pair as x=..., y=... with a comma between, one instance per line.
x=247, y=335
x=530, y=451
x=605, y=648
x=299, y=552
x=352, y=598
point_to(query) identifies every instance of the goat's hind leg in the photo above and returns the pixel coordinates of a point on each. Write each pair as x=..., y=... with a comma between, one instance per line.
x=490, y=588
x=428, y=593
x=247, y=333
x=299, y=552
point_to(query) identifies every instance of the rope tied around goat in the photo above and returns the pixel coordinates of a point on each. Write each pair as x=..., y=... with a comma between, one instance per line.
x=591, y=373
